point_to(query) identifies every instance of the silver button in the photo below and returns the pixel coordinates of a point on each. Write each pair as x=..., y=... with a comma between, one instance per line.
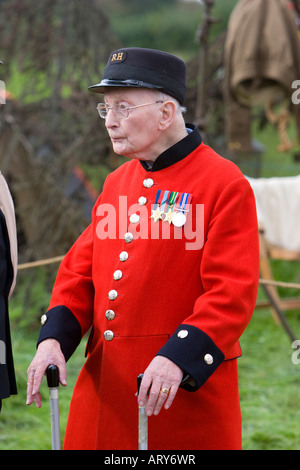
x=110, y=314
x=112, y=295
x=134, y=218
x=118, y=275
x=43, y=319
x=182, y=334
x=108, y=335
x=208, y=359
x=148, y=183
x=142, y=201
x=123, y=256
x=128, y=237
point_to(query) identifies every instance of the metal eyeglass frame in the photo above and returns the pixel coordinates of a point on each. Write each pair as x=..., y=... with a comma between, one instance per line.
x=120, y=111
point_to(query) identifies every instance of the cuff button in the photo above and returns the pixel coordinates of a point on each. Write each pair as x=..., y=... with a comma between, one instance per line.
x=182, y=334
x=208, y=359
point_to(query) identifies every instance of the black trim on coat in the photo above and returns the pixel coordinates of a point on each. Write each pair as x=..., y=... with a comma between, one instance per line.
x=189, y=348
x=62, y=325
x=177, y=152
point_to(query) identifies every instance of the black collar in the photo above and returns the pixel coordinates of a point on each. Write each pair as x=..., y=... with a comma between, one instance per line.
x=177, y=152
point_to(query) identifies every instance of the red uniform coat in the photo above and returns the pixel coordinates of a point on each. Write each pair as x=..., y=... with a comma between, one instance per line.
x=150, y=288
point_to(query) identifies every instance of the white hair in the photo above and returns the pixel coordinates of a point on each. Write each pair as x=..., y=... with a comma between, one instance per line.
x=165, y=97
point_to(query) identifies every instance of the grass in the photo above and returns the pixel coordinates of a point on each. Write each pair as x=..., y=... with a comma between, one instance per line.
x=269, y=385
x=26, y=427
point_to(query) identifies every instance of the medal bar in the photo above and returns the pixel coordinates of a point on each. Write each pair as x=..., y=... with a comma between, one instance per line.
x=167, y=208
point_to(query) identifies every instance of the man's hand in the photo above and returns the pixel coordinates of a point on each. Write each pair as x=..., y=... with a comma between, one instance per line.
x=48, y=352
x=164, y=377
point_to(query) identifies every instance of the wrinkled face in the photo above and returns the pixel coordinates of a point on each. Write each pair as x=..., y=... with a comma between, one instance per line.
x=135, y=136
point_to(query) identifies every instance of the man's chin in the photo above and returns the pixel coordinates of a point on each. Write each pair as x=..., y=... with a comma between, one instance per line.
x=118, y=147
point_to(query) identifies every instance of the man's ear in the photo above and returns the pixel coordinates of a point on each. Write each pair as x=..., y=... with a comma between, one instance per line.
x=168, y=111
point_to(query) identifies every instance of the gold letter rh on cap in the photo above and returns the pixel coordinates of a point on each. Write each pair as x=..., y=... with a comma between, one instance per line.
x=118, y=56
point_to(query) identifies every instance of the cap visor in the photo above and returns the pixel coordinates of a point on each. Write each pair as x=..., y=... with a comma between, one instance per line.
x=100, y=87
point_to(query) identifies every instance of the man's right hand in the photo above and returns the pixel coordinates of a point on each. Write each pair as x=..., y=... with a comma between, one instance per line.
x=48, y=352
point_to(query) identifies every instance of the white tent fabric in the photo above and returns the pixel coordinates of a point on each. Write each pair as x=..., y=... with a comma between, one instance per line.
x=278, y=209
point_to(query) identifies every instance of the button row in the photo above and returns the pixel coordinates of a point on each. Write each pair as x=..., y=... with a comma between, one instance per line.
x=123, y=256
x=113, y=294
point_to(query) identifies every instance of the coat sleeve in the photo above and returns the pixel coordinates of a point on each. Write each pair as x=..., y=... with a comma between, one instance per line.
x=70, y=312
x=229, y=273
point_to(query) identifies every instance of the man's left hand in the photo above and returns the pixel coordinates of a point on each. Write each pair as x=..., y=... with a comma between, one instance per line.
x=164, y=377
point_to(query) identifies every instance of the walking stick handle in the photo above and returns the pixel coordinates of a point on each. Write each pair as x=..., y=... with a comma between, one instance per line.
x=52, y=373
x=139, y=380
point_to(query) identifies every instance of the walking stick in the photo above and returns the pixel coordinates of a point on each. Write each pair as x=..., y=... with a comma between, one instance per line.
x=143, y=421
x=53, y=382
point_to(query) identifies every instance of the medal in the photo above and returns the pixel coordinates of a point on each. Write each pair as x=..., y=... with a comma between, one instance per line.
x=159, y=205
x=156, y=214
x=156, y=211
x=166, y=209
x=169, y=213
x=179, y=218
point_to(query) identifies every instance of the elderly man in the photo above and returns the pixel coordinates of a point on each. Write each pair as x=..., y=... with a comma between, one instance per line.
x=165, y=276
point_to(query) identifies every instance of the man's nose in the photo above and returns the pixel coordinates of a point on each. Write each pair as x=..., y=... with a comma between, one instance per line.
x=111, y=120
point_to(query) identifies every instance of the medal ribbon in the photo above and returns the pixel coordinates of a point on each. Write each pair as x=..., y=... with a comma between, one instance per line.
x=184, y=202
x=158, y=199
x=164, y=201
x=156, y=211
x=171, y=202
x=172, y=198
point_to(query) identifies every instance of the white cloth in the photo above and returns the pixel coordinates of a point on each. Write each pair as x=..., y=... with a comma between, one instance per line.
x=278, y=209
x=7, y=207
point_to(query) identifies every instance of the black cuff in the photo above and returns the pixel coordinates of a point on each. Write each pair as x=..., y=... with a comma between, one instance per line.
x=195, y=353
x=60, y=323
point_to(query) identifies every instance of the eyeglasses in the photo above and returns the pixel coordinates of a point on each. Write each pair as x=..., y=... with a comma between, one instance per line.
x=121, y=111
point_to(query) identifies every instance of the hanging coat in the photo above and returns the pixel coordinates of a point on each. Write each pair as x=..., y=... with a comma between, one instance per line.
x=147, y=287
x=262, y=59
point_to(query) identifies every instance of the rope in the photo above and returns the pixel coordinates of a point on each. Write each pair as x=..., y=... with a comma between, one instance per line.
x=42, y=262
x=58, y=259
x=279, y=284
